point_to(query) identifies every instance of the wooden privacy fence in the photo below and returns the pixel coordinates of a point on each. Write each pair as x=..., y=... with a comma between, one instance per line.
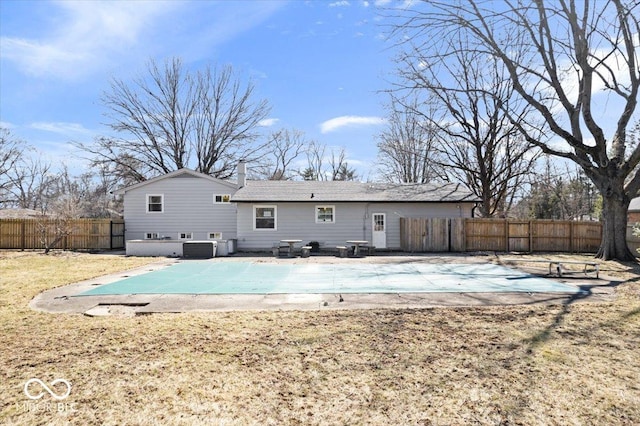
x=83, y=234
x=470, y=234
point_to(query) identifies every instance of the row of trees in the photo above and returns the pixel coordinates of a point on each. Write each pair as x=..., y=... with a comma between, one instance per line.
x=483, y=90
x=530, y=74
x=29, y=180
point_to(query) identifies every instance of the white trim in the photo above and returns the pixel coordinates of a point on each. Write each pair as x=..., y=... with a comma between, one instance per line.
x=275, y=217
x=146, y=200
x=325, y=206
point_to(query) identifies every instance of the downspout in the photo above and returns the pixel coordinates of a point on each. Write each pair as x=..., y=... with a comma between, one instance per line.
x=364, y=222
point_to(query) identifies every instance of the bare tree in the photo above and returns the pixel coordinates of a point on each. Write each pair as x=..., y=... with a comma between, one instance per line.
x=339, y=166
x=407, y=148
x=315, y=162
x=11, y=150
x=559, y=193
x=562, y=57
x=320, y=167
x=283, y=147
x=172, y=118
x=479, y=145
x=32, y=182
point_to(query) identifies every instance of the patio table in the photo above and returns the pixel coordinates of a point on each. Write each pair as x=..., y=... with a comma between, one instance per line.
x=291, y=244
x=357, y=244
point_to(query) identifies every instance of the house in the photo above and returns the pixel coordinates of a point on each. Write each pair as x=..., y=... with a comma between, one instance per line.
x=187, y=205
x=182, y=205
x=333, y=212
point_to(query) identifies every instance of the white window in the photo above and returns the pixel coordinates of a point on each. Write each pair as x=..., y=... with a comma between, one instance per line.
x=265, y=217
x=221, y=198
x=215, y=235
x=186, y=235
x=155, y=203
x=325, y=214
x=151, y=236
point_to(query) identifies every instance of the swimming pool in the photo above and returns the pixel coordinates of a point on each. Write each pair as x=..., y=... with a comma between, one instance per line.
x=240, y=277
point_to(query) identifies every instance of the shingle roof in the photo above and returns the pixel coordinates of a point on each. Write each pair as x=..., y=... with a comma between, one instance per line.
x=336, y=191
x=174, y=174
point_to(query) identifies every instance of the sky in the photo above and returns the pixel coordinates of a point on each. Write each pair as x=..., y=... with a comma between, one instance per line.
x=320, y=64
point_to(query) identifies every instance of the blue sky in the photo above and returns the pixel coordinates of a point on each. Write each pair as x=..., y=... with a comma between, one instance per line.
x=320, y=64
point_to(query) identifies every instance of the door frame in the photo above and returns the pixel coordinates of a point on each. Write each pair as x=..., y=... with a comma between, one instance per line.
x=373, y=227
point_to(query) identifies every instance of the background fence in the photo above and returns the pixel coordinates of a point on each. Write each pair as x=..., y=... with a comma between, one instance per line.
x=471, y=234
x=83, y=234
x=416, y=235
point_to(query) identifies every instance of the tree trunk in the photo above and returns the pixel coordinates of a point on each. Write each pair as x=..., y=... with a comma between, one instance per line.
x=614, y=227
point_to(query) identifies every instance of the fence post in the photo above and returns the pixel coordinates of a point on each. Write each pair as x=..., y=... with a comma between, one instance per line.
x=23, y=235
x=571, y=234
x=506, y=235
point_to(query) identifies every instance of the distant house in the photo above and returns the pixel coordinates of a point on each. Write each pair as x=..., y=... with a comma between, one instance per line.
x=20, y=214
x=187, y=205
x=633, y=213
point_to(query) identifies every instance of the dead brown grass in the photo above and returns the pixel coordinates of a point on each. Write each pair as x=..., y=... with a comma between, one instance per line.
x=538, y=364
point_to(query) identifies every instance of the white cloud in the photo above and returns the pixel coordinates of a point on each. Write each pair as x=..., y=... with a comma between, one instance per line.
x=342, y=3
x=349, y=121
x=85, y=36
x=61, y=128
x=268, y=122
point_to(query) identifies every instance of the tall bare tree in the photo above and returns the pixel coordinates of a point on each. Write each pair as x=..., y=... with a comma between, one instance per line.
x=172, y=118
x=407, y=147
x=478, y=143
x=32, y=182
x=11, y=149
x=339, y=166
x=283, y=147
x=321, y=167
x=565, y=59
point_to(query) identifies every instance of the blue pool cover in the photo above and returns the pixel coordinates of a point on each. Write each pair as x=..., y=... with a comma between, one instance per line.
x=236, y=277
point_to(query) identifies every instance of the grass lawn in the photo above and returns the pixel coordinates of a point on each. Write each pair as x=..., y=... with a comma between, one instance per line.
x=530, y=365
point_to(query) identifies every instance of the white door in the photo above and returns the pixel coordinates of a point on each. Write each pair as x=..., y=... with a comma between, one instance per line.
x=379, y=230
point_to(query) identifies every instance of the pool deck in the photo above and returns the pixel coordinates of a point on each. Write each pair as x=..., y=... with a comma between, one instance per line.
x=63, y=299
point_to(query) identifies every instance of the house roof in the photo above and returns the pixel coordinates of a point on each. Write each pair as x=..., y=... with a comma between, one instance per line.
x=178, y=173
x=344, y=191
x=19, y=214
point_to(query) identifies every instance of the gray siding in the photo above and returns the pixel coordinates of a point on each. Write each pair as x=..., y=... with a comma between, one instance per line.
x=352, y=222
x=188, y=207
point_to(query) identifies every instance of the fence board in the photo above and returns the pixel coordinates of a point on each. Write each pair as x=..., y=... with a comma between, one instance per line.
x=85, y=234
x=519, y=236
x=457, y=232
x=480, y=234
x=485, y=235
x=424, y=234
